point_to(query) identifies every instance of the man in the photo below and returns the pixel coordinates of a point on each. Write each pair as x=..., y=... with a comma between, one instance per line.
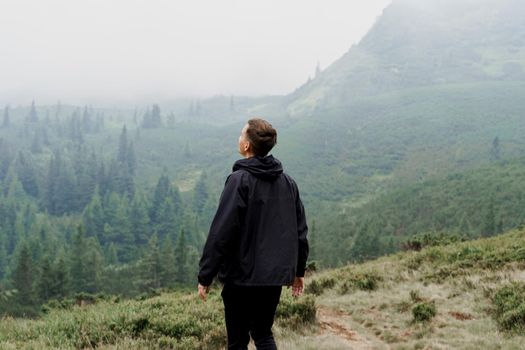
x=257, y=241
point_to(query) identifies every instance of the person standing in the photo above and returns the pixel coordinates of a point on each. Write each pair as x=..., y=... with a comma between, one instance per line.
x=257, y=242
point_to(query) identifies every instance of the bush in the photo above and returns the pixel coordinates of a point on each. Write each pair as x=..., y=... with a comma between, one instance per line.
x=364, y=281
x=424, y=311
x=509, y=307
x=431, y=239
x=295, y=312
x=318, y=286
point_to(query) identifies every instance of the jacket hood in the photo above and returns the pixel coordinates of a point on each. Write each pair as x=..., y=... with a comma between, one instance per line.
x=265, y=168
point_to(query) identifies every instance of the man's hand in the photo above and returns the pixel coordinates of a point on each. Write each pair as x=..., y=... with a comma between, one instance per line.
x=203, y=291
x=298, y=286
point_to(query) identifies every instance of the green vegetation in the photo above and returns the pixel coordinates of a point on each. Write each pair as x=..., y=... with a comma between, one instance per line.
x=509, y=307
x=424, y=312
x=169, y=321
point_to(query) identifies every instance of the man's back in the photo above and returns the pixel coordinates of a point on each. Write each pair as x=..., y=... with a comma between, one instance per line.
x=261, y=207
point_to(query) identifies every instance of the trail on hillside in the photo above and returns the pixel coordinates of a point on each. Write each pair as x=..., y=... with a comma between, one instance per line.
x=335, y=324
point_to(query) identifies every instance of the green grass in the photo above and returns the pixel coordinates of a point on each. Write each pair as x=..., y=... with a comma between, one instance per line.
x=509, y=307
x=169, y=321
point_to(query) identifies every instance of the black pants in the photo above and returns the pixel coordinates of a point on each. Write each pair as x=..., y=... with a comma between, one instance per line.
x=250, y=311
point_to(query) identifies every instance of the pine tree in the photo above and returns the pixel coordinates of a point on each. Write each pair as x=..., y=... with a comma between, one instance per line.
x=118, y=230
x=131, y=159
x=167, y=221
x=94, y=263
x=87, y=124
x=65, y=201
x=36, y=144
x=33, y=115
x=495, y=151
x=150, y=266
x=93, y=218
x=120, y=180
x=7, y=121
x=51, y=185
x=23, y=276
x=46, y=280
x=111, y=255
x=168, y=263
x=102, y=180
x=152, y=119
x=159, y=196
x=122, y=154
x=156, y=118
x=61, y=279
x=5, y=158
x=26, y=172
x=86, y=174
x=78, y=261
x=139, y=220
x=60, y=191
x=171, y=121
x=181, y=258
x=317, y=69
x=13, y=188
x=200, y=194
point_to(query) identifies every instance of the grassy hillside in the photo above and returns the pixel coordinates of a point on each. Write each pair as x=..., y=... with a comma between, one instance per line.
x=461, y=296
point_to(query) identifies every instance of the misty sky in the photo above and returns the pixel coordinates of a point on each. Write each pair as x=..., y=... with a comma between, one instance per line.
x=98, y=51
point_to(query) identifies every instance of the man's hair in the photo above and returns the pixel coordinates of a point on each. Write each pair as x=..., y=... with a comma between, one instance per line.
x=262, y=136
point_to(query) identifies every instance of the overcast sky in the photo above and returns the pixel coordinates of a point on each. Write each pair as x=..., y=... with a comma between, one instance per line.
x=98, y=51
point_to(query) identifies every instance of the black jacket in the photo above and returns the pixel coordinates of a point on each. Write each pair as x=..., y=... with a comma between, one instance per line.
x=258, y=234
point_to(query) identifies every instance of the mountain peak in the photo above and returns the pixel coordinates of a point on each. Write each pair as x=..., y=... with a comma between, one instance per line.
x=422, y=43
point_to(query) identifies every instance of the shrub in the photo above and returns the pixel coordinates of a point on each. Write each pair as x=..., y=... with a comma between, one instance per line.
x=318, y=286
x=424, y=311
x=431, y=239
x=293, y=313
x=364, y=281
x=509, y=307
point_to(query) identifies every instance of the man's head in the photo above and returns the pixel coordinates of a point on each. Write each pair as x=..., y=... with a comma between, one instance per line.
x=257, y=138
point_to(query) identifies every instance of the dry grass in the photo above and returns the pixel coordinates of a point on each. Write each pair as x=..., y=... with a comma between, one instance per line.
x=459, y=279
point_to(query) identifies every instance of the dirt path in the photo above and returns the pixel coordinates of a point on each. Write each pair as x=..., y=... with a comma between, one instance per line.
x=335, y=324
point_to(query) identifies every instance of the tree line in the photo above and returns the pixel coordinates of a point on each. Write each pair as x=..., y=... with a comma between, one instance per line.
x=73, y=219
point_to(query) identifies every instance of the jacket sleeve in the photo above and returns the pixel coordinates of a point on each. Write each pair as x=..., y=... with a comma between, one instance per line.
x=302, y=231
x=223, y=229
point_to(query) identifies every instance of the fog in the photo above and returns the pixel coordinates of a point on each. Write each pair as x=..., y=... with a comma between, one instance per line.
x=142, y=51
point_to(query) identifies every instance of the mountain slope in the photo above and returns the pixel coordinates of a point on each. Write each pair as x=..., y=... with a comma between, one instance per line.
x=459, y=296
x=423, y=43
